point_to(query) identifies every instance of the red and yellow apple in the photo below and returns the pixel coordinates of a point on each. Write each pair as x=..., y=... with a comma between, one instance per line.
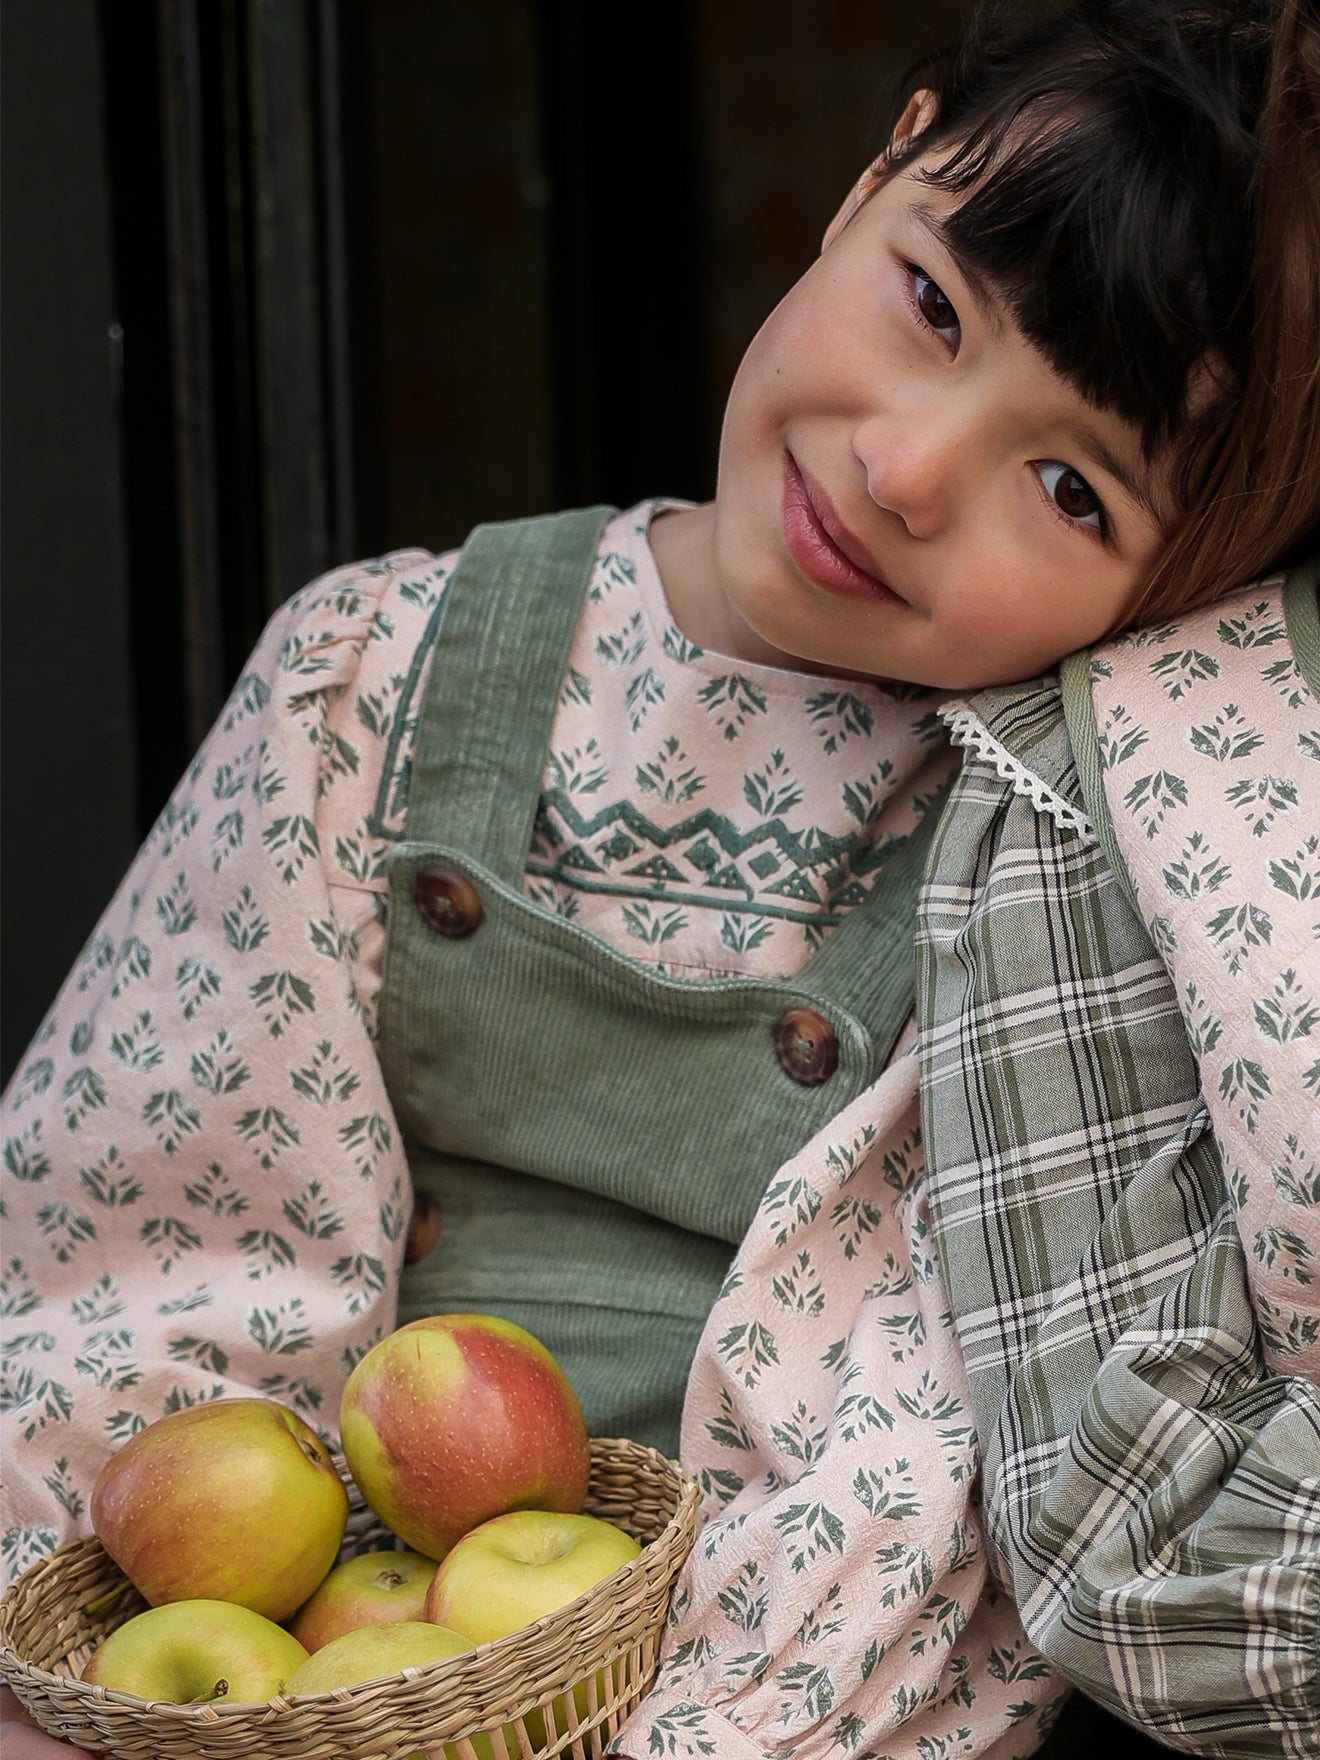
x=235, y=1500
x=370, y=1589
x=457, y=1418
x=195, y=1653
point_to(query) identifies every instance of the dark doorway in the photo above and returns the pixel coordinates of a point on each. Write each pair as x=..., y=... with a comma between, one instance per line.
x=288, y=284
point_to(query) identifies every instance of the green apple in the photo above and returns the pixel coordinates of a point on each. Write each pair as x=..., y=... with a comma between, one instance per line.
x=372, y=1652
x=456, y=1418
x=363, y=1591
x=511, y=1570
x=235, y=1500
x=197, y=1652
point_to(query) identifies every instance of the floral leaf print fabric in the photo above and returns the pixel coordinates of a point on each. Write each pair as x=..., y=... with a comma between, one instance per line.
x=838, y=1600
x=204, y=1191
x=1223, y=847
x=1145, y=1473
x=708, y=820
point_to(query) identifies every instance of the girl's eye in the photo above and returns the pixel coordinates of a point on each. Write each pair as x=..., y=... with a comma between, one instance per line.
x=935, y=307
x=1072, y=494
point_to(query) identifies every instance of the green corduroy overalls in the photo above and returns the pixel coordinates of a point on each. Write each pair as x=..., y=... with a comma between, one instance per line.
x=597, y=1135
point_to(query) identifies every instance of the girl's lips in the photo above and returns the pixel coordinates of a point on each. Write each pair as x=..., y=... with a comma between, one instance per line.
x=822, y=546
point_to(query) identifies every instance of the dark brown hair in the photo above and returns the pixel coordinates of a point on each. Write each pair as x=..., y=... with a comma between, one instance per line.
x=1140, y=179
x=1258, y=506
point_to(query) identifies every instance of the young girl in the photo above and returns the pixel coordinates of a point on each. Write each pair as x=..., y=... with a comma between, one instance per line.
x=542, y=916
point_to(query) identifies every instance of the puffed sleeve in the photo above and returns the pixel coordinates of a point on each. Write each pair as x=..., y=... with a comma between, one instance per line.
x=204, y=1190
x=1152, y=1486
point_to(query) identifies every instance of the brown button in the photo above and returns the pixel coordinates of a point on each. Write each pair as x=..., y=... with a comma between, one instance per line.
x=806, y=1046
x=447, y=901
x=424, y=1228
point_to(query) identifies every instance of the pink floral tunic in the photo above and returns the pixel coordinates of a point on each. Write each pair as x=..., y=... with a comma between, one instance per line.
x=206, y=1193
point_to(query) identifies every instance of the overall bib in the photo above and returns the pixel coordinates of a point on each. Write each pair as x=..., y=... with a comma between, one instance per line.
x=597, y=1135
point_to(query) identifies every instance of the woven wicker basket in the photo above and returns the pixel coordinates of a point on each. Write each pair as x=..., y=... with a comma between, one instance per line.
x=605, y=1643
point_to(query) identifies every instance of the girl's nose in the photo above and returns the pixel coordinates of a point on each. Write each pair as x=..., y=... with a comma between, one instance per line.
x=914, y=466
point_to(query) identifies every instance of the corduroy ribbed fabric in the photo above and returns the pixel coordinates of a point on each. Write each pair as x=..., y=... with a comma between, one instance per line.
x=597, y=1134
x=1301, y=608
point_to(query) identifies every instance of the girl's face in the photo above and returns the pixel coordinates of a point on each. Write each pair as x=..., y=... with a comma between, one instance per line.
x=907, y=489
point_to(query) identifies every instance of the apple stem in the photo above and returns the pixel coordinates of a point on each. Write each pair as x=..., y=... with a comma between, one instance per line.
x=218, y=1691
x=111, y=1595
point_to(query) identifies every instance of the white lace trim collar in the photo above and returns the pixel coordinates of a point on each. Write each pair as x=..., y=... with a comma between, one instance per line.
x=967, y=729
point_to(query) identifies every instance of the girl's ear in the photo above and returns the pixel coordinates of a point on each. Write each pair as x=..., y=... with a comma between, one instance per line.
x=922, y=109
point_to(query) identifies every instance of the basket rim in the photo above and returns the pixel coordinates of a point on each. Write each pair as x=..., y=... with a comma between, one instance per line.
x=493, y=1651
x=628, y=1586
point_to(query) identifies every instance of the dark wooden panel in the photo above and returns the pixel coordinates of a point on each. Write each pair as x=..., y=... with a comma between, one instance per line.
x=67, y=743
x=791, y=104
x=633, y=411
x=455, y=221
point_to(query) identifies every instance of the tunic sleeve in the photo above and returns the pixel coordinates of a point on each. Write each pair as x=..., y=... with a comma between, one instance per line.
x=1151, y=1490
x=1208, y=744
x=203, y=1185
x=838, y=1599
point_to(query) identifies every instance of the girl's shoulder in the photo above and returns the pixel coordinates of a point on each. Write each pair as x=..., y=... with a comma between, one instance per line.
x=385, y=602
x=1117, y=734
x=1257, y=643
x=1207, y=726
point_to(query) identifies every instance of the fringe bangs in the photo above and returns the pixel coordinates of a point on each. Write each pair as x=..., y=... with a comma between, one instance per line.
x=1104, y=162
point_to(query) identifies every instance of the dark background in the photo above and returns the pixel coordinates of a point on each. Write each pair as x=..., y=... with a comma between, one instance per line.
x=287, y=282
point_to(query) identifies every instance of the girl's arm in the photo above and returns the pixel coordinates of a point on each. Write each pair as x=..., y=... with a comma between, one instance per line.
x=1205, y=738
x=838, y=1598
x=204, y=1188
x=1149, y=1482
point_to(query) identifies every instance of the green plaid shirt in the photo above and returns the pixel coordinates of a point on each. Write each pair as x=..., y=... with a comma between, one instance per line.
x=1152, y=1489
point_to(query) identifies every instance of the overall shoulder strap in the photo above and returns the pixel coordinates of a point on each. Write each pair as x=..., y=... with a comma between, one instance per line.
x=1079, y=713
x=509, y=613
x=1301, y=611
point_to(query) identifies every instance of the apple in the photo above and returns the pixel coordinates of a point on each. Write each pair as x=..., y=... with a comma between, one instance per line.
x=363, y=1591
x=372, y=1652
x=235, y=1500
x=456, y=1418
x=514, y=1568
x=196, y=1652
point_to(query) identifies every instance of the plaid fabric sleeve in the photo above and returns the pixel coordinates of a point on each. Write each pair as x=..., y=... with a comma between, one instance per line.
x=1152, y=1490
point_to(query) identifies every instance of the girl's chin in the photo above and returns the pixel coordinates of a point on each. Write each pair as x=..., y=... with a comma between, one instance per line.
x=768, y=643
